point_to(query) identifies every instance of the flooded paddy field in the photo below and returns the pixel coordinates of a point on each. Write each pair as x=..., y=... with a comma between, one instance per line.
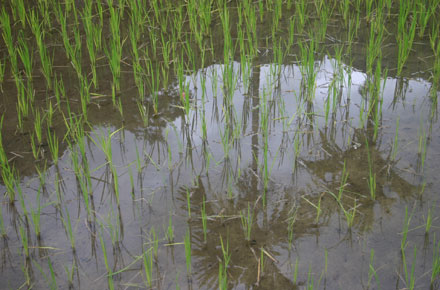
x=219, y=144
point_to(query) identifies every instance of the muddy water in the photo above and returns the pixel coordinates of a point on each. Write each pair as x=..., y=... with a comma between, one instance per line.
x=286, y=175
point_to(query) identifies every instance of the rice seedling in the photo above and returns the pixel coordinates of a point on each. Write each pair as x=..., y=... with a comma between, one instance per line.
x=40, y=268
x=68, y=228
x=261, y=261
x=204, y=219
x=296, y=151
x=9, y=177
x=187, y=243
x=226, y=253
x=425, y=13
x=396, y=141
x=371, y=181
x=374, y=47
x=154, y=81
x=42, y=174
x=423, y=149
x=53, y=282
x=295, y=271
x=409, y=276
x=106, y=262
x=52, y=141
x=23, y=106
x=45, y=60
x=371, y=271
x=405, y=41
x=344, y=177
x=38, y=124
x=310, y=283
x=63, y=23
x=114, y=53
x=148, y=266
x=301, y=14
x=290, y=223
x=43, y=7
x=170, y=230
x=49, y=114
x=428, y=223
x=155, y=242
x=188, y=202
x=316, y=206
x=36, y=215
x=22, y=201
x=84, y=186
x=264, y=124
x=24, y=238
x=349, y=214
x=70, y=272
x=19, y=12
x=9, y=42
x=308, y=70
x=434, y=38
x=3, y=232
x=26, y=57
x=59, y=90
x=138, y=161
x=222, y=271
x=76, y=55
x=247, y=222
x=90, y=36
x=2, y=73
x=164, y=74
x=403, y=242
x=435, y=262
